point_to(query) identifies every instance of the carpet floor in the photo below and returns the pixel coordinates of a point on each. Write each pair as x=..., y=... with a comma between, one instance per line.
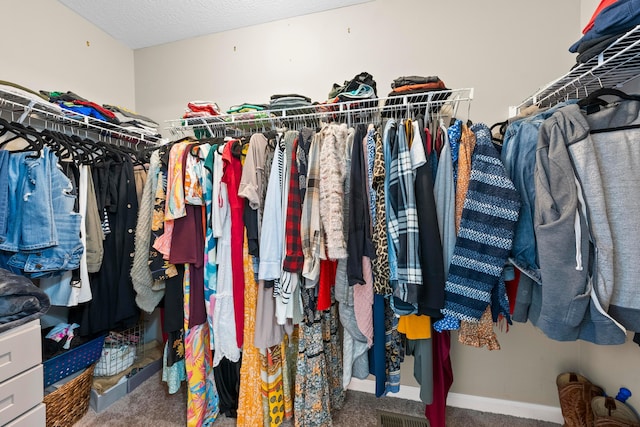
x=150, y=405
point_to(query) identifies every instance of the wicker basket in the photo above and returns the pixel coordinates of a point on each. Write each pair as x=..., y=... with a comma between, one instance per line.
x=69, y=403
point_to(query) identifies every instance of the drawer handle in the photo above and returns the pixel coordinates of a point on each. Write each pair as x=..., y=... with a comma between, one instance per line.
x=6, y=403
x=5, y=359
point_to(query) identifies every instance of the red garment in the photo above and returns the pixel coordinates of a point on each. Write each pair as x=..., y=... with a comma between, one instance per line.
x=439, y=141
x=106, y=113
x=512, y=289
x=602, y=5
x=442, y=378
x=423, y=86
x=327, y=280
x=232, y=172
x=211, y=109
x=294, y=258
x=187, y=246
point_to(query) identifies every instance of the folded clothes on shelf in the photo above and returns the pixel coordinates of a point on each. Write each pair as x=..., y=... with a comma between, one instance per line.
x=620, y=16
x=413, y=80
x=201, y=109
x=361, y=86
x=246, y=108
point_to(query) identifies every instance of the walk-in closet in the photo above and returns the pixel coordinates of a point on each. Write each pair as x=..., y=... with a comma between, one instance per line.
x=318, y=214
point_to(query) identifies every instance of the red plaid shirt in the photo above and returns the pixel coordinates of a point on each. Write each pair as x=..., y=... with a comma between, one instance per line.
x=294, y=258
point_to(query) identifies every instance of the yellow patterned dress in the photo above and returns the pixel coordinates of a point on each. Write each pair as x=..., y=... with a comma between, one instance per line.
x=250, y=410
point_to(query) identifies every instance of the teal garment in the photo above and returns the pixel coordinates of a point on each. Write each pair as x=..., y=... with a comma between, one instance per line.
x=173, y=375
x=210, y=266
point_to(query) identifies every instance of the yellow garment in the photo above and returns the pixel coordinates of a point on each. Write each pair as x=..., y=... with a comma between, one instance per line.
x=415, y=327
x=272, y=394
x=245, y=150
x=250, y=411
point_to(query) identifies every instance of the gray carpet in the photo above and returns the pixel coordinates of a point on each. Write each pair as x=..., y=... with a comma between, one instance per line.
x=150, y=405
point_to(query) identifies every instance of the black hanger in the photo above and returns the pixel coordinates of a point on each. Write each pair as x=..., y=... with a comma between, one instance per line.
x=236, y=148
x=61, y=145
x=30, y=135
x=502, y=130
x=594, y=102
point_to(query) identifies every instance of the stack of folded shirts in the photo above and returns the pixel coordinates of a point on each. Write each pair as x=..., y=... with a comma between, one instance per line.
x=416, y=87
x=247, y=107
x=287, y=101
x=72, y=102
x=416, y=84
x=21, y=95
x=133, y=121
x=610, y=20
x=201, y=109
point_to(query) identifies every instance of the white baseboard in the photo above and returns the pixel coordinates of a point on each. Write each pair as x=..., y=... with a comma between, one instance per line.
x=476, y=403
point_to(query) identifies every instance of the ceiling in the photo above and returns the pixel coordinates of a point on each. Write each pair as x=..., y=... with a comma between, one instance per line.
x=144, y=23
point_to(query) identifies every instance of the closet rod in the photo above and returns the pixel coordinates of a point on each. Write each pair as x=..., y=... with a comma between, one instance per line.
x=616, y=65
x=46, y=115
x=328, y=112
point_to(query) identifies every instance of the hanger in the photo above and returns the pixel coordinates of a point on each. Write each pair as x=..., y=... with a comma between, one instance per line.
x=236, y=148
x=593, y=102
x=60, y=145
x=502, y=129
x=31, y=136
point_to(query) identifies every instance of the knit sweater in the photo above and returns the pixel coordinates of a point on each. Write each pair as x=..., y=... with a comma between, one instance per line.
x=332, y=177
x=146, y=297
x=485, y=236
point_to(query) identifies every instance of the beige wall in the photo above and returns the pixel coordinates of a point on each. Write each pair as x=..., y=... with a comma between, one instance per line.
x=44, y=46
x=503, y=48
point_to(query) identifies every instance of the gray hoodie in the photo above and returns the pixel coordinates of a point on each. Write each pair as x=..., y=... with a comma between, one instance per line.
x=571, y=306
x=606, y=164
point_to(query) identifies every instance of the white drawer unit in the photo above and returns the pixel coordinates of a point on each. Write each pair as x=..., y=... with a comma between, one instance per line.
x=21, y=393
x=21, y=377
x=35, y=417
x=20, y=349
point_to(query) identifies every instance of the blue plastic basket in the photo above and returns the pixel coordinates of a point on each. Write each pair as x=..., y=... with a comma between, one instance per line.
x=72, y=361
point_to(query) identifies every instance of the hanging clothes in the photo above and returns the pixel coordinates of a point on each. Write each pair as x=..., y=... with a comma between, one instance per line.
x=250, y=410
x=402, y=221
x=202, y=396
x=332, y=176
x=431, y=295
x=225, y=342
x=147, y=298
x=113, y=304
x=490, y=188
x=231, y=176
x=603, y=318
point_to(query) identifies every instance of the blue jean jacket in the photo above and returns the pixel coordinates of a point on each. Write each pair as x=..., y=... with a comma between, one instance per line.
x=43, y=228
x=519, y=158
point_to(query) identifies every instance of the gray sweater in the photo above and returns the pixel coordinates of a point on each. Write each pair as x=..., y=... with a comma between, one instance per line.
x=607, y=165
x=573, y=304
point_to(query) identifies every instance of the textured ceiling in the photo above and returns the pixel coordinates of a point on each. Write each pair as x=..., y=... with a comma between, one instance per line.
x=144, y=23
